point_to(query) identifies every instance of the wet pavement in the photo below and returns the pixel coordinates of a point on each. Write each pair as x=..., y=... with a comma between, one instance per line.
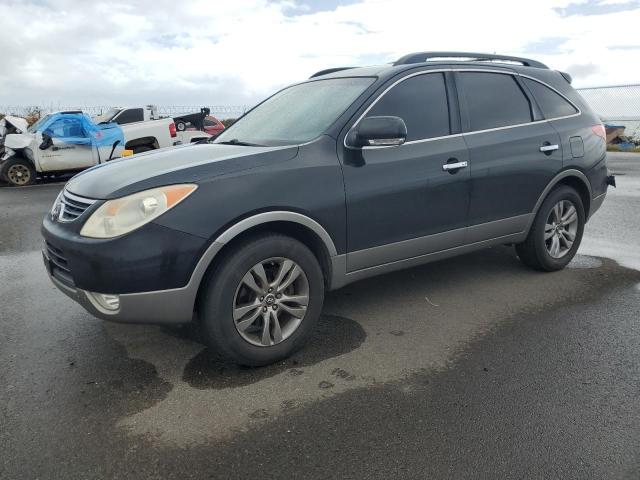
x=473, y=367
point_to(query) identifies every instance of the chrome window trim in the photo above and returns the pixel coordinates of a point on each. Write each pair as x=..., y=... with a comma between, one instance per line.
x=483, y=70
x=559, y=93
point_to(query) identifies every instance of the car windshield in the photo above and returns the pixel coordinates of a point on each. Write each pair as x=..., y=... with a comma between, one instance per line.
x=296, y=114
x=107, y=116
x=34, y=128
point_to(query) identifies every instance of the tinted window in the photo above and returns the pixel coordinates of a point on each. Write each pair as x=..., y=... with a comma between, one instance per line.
x=130, y=115
x=552, y=104
x=494, y=100
x=421, y=101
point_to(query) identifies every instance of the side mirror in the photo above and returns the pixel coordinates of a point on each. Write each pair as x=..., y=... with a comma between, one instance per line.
x=378, y=132
x=47, y=141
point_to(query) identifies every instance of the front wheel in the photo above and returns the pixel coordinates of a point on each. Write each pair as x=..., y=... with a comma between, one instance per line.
x=556, y=232
x=262, y=302
x=18, y=172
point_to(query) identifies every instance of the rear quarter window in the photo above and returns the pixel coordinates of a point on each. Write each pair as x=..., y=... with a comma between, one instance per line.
x=130, y=115
x=553, y=105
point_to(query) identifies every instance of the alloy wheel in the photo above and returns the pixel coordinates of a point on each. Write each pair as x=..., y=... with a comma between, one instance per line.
x=561, y=228
x=271, y=301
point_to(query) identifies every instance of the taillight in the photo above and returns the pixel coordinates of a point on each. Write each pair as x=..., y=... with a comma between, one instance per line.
x=600, y=131
x=172, y=130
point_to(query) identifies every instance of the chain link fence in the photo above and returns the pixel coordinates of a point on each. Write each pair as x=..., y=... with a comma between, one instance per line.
x=219, y=111
x=617, y=105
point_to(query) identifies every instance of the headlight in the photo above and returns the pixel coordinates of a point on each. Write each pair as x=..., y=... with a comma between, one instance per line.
x=122, y=215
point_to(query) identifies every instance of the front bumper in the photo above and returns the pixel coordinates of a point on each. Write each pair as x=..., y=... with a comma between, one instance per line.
x=151, y=275
x=155, y=307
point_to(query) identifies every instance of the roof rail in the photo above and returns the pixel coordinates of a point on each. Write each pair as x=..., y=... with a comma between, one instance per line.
x=420, y=57
x=326, y=71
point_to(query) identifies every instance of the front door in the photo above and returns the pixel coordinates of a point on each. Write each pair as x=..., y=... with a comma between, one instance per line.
x=70, y=149
x=402, y=201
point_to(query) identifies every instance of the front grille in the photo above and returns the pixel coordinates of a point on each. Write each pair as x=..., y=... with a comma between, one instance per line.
x=59, y=265
x=72, y=206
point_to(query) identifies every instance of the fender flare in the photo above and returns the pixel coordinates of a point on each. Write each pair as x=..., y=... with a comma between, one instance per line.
x=245, y=224
x=571, y=172
x=278, y=216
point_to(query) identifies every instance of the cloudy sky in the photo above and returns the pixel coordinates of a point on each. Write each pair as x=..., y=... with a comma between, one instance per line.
x=217, y=52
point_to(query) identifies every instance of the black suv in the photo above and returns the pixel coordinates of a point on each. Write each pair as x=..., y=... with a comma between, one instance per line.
x=352, y=173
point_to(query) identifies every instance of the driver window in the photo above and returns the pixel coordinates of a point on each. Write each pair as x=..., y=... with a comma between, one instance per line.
x=65, y=127
x=421, y=101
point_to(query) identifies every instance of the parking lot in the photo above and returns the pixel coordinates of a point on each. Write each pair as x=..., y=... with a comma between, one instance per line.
x=474, y=367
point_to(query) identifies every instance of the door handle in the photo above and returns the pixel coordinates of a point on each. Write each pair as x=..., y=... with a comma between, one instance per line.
x=454, y=166
x=549, y=148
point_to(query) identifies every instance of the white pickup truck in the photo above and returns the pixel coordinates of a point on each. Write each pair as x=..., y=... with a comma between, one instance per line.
x=67, y=142
x=145, y=130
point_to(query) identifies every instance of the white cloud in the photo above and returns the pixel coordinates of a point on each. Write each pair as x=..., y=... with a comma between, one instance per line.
x=203, y=52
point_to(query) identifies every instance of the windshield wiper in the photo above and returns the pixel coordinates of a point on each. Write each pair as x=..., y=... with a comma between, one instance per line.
x=235, y=141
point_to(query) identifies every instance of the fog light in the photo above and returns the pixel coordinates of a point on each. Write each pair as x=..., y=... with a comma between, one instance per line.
x=107, y=301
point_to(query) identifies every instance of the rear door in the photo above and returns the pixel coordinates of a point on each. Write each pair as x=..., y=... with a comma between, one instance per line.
x=513, y=152
x=401, y=203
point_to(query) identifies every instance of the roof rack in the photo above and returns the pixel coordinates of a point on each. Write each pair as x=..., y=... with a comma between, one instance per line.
x=326, y=71
x=420, y=57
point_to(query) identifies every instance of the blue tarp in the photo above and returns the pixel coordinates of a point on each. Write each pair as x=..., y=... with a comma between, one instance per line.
x=79, y=129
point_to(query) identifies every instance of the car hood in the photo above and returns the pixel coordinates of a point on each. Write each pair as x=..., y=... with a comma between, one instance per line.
x=183, y=164
x=18, y=122
x=17, y=141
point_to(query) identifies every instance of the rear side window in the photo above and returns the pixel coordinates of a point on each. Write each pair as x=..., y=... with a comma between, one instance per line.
x=421, y=101
x=494, y=100
x=129, y=116
x=552, y=104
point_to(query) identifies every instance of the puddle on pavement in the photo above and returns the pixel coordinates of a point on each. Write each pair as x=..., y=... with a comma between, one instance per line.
x=584, y=261
x=334, y=336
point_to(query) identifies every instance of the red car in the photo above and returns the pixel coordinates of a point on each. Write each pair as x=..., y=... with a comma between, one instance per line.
x=212, y=125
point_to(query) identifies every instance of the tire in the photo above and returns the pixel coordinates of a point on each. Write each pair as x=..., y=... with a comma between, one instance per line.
x=226, y=320
x=181, y=126
x=537, y=251
x=141, y=148
x=18, y=172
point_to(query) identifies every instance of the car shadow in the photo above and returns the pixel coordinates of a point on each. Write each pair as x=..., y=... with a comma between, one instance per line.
x=334, y=336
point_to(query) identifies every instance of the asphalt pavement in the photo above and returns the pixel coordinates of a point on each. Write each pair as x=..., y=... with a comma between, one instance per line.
x=473, y=367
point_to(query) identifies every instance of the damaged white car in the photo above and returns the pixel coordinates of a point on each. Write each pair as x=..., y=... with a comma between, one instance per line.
x=58, y=143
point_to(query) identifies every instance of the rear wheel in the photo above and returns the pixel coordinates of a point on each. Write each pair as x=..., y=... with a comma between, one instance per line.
x=262, y=302
x=556, y=232
x=18, y=172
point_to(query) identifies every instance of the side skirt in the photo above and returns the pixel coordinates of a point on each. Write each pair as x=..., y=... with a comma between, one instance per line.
x=476, y=237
